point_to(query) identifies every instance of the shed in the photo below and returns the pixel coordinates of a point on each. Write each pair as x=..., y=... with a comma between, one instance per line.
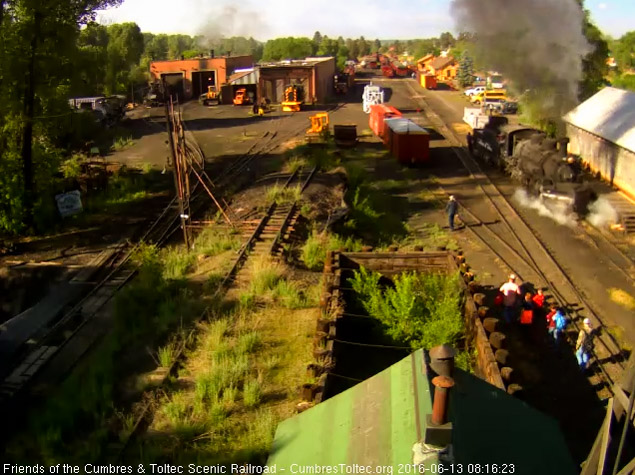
x=313, y=75
x=601, y=131
x=377, y=423
x=188, y=78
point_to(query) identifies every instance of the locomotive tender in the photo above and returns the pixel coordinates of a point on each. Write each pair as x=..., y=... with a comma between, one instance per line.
x=539, y=163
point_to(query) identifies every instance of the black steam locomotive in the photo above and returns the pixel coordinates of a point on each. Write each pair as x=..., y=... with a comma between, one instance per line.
x=539, y=163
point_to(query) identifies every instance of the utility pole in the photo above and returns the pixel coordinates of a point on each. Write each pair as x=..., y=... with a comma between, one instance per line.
x=177, y=162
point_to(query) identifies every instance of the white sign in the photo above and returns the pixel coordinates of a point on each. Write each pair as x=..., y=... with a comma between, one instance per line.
x=69, y=203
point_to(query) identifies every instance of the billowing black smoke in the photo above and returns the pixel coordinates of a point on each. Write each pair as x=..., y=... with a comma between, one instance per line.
x=536, y=44
x=230, y=21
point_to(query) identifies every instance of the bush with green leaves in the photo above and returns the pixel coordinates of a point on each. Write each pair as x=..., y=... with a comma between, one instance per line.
x=423, y=310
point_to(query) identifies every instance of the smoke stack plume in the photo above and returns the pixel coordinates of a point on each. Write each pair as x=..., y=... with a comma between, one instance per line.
x=536, y=44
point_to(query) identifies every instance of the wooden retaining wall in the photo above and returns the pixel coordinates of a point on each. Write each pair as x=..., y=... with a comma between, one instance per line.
x=389, y=264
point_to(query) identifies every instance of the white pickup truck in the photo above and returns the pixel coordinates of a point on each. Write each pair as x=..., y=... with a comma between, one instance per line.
x=475, y=117
x=474, y=90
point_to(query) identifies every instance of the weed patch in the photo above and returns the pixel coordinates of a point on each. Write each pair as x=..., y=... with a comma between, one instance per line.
x=422, y=310
x=121, y=143
x=280, y=194
x=315, y=248
x=213, y=241
x=294, y=163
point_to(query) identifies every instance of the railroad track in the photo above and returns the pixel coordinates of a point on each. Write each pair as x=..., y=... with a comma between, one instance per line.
x=510, y=237
x=265, y=237
x=51, y=351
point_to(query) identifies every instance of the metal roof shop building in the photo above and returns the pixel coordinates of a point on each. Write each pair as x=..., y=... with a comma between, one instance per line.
x=383, y=423
x=315, y=75
x=601, y=131
x=189, y=78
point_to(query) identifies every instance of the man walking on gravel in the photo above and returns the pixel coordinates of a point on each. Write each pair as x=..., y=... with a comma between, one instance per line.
x=451, y=208
x=510, y=291
x=584, y=344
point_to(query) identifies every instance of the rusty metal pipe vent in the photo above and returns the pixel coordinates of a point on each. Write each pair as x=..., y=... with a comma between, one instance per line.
x=442, y=385
x=442, y=360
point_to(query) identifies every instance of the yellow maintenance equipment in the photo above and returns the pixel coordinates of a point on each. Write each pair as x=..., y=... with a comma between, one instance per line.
x=291, y=102
x=210, y=97
x=319, y=123
x=318, y=132
x=242, y=97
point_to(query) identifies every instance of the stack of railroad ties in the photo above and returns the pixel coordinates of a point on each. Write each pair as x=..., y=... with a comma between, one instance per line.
x=408, y=142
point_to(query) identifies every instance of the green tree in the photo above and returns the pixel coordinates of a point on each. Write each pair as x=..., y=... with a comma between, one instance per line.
x=363, y=46
x=376, y=45
x=624, y=52
x=328, y=47
x=466, y=69
x=125, y=47
x=287, y=48
x=625, y=81
x=594, y=67
x=446, y=40
x=38, y=54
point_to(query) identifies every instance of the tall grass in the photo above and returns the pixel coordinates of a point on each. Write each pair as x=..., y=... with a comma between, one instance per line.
x=121, y=143
x=265, y=274
x=316, y=246
x=280, y=194
x=294, y=164
x=252, y=393
x=167, y=354
x=213, y=241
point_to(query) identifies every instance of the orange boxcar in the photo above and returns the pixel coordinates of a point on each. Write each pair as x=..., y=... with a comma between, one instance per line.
x=408, y=142
x=378, y=114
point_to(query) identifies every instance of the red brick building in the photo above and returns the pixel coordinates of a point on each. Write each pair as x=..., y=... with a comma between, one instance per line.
x=313, y=75
x=189, y=78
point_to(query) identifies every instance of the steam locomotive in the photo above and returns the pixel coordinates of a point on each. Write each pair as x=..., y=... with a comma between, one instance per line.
x=539, y=163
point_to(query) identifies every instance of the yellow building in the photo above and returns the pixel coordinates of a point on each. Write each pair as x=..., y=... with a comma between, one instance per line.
x=444, y=68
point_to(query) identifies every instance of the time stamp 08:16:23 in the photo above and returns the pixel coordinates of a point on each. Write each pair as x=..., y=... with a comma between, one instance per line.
x=459, y=468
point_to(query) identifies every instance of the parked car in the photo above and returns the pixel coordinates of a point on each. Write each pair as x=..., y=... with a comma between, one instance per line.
x=474, y=90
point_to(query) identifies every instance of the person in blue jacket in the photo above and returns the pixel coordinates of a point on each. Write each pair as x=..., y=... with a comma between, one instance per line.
x=451, y=208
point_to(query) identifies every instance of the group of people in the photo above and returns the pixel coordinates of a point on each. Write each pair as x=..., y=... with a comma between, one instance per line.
x=531, y=305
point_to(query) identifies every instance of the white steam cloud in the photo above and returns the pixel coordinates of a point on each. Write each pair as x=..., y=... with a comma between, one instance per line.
x=601, y=213
x=559, y=211
x=537, y=44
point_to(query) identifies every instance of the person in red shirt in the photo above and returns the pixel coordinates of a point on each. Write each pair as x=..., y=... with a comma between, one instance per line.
x=539, y=299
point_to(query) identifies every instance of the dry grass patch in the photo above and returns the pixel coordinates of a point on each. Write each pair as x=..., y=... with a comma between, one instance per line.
x=243, y=377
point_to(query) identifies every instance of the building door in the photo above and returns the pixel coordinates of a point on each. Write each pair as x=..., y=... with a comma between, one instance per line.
x=201, y=80
x=279, y=90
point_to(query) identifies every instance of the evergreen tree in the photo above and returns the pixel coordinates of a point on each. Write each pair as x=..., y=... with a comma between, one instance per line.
x=466, y=69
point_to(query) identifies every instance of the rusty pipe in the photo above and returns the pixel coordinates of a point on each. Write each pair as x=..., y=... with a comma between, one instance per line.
x=442, y=385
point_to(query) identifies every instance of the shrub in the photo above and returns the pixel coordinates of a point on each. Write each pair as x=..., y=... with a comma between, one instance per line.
x=421, y=309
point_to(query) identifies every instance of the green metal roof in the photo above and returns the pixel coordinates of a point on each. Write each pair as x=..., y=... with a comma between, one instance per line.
x=377, y=422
